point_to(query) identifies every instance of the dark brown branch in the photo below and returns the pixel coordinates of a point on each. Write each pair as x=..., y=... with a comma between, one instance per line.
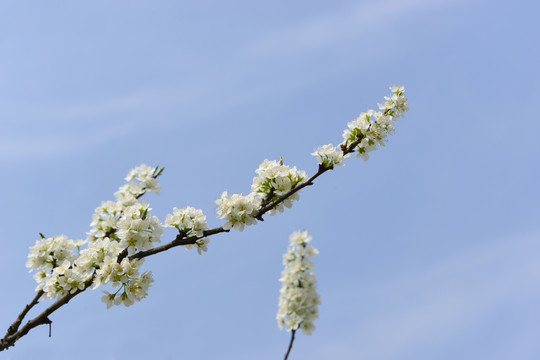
x=15, y=326
x=266, y=206
x=347, y=149
x=180, y=240
x=13, y=333
x=41, y=319
x=290, y=344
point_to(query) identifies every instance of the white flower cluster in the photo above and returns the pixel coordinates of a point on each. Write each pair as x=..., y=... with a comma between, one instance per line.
x=298, y=300
x=372, y=126
x=48, y=253
x=53, y=258
x=134, y=289
x=238, y=210
x=138, y=230
x=190, y=222
x=329, y=156
x=98, y=253
x=274, y=179
x=146, y=177
x=116, y=226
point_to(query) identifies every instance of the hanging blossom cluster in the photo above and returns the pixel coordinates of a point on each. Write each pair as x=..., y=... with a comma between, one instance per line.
x=125, y=225
x=273, y=180
x=298, y=299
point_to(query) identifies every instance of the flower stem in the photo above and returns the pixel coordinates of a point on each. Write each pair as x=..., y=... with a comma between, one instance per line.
x=290, y=345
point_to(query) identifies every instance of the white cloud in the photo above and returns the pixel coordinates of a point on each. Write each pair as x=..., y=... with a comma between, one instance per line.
x=325, y=30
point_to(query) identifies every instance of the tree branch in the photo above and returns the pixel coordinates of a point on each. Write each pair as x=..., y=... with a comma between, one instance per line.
x=43, y=318
x=15, y=326
x=14, y=333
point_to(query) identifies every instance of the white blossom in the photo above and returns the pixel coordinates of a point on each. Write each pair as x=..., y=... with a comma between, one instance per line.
x=275, y=177
x=298, y=300
x=64, y=268
x=274, y=180
x=396, y=104
x=146, y=176
x=118, y=273
x=134, y=289
x=201, y=245
x=127, y=194
x=238, y=210
x=372, y=127
x=137, y=229
x=137, y=288
x=329, y=155
x=188, y=220
x=96, y=255
x=105, y=220
x=48, y=253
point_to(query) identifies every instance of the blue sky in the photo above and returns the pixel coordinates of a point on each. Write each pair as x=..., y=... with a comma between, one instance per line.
x=430, y=250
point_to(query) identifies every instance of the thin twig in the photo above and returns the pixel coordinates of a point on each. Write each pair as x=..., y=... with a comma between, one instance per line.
x=290, y=344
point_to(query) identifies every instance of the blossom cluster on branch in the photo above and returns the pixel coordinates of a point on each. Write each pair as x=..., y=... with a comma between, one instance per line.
x=125, y=225
x=123, y=232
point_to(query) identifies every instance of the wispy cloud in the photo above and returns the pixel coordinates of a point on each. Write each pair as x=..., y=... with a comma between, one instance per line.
x=148, y=99
x=328, y=29
x=65, y=128
x=435, y=307
x=95, y=108
x=46, y=144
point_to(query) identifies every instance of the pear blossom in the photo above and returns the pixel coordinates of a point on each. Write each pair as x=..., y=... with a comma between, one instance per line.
x=396, y=104
x=201, y=245
x=146, y=176
x=188, y=220
x=116, y=226
x=372, y=127
x=105, y=220
x=134, y=289
x=298, y=300
x=137, y=229
x=276, y=178
x=329, y=155
x=238, y=210
x=137, y=288
x=93, y=257
x=48, y=253
x=62, y=280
